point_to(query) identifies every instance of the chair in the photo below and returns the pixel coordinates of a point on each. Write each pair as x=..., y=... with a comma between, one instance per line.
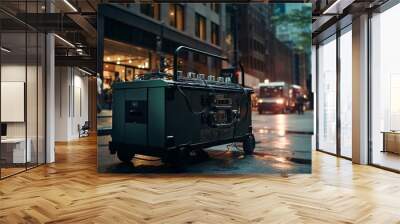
x=84, y=129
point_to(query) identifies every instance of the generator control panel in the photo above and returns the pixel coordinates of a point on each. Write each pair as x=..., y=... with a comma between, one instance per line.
x=136, y=111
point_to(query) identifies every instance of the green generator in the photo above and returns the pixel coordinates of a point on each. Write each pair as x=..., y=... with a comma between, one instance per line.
x=175, y=118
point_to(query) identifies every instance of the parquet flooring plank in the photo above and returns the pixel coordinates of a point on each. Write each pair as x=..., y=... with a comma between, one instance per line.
x=71, y=191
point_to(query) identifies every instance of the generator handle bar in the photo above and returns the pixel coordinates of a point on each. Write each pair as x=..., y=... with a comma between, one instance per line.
x=180, y=48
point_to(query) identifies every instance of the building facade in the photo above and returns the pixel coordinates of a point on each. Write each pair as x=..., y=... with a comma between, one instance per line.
x=263, y=55
x=253, y=38
x=199, y=23
x=296, y=37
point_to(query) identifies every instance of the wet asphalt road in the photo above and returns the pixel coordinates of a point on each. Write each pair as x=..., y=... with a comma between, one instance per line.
x=283, y=146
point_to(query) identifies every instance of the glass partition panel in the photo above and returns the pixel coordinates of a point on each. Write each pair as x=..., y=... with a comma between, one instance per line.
x=32, y=98
x=346, y=94
x=385, y=84
x=327, y=96
x=15, y=151
x=22, y=79
x=41, y=98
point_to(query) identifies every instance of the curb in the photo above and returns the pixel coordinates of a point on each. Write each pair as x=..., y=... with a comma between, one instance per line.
x=287, y=131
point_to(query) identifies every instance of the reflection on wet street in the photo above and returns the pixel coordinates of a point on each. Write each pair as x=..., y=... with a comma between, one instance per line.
x=283, y=145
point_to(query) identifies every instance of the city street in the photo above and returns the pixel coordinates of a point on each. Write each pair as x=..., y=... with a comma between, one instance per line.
x=283, y=141
x=283, y=145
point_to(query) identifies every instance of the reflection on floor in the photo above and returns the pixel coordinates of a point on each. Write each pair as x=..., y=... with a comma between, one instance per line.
x=10, y=171
x=272, y=155
x=283, y=145
x=11, y=168
x=104, y=119
x=387, y=159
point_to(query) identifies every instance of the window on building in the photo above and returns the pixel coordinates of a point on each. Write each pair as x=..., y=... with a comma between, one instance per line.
x=176, y=16
x=214, y=34
x=151, y=10
x=200, y=27
x=215, y=7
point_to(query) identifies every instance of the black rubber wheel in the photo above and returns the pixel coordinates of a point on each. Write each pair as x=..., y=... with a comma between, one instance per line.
x=249, y=144
x=178, y=158
x=125, y=156
x=182, y=158
x=202, y=155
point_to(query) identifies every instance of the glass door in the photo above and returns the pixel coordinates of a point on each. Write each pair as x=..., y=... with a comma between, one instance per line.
x=385, y=89
x=327, y=95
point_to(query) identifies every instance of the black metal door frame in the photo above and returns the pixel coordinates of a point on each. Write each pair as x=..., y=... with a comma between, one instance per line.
x=338, y=153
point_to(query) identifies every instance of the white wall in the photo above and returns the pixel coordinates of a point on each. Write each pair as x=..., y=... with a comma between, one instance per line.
x=62, y=82
x=71, y=102
x=80, y=102
x=360, y=89
x=12, y=73
x=50, y=93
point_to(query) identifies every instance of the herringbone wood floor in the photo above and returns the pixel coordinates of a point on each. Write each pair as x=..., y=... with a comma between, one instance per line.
x=71, y=191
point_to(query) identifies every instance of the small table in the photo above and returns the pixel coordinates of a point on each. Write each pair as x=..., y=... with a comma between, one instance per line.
x=13, y=150
x=391, y=141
